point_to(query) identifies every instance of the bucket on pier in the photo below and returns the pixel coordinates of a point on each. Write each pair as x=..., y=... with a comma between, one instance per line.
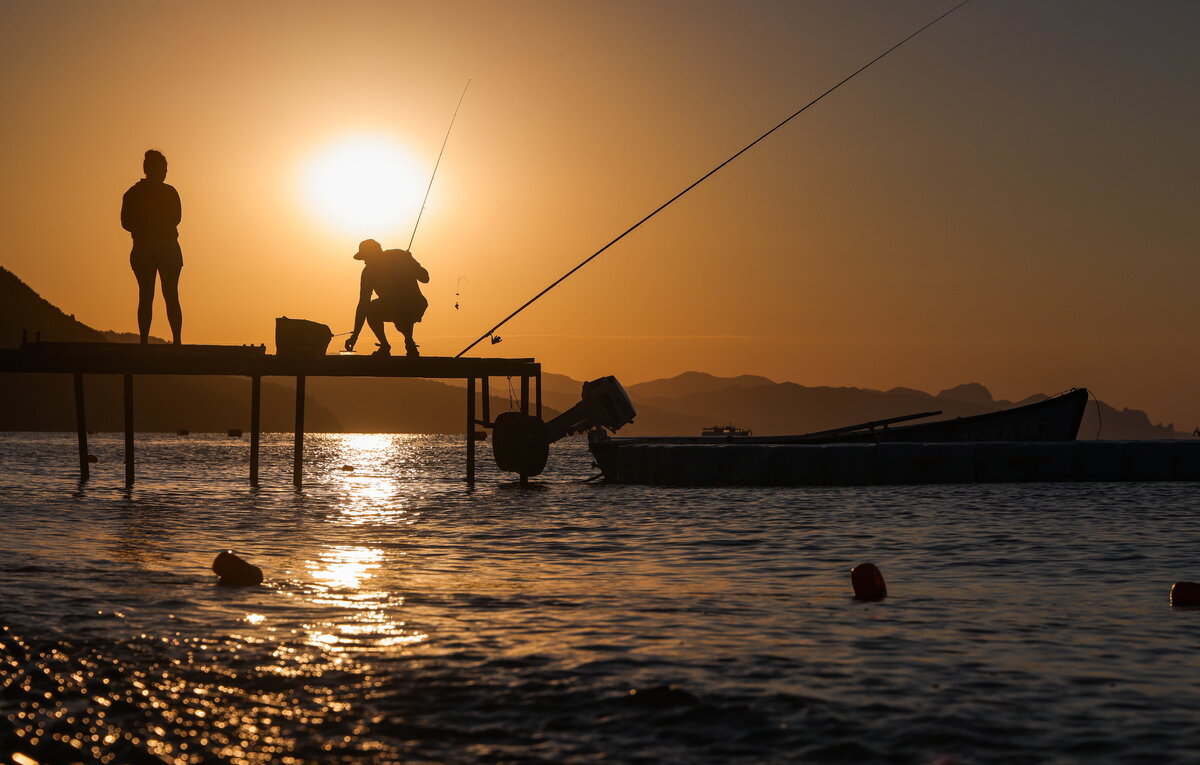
x=301, y=337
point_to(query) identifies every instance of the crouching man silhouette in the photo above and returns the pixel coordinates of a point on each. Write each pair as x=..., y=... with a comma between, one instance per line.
x=393, y=276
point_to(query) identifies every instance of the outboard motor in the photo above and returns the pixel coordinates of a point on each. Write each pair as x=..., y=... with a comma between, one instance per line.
x=521, y=442
x=603, y=404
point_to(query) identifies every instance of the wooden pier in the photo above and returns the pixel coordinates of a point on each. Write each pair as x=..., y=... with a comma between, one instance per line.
x=128, y=360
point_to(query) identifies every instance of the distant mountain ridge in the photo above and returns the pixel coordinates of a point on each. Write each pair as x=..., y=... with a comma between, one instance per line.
x=689, y=383
x=683, y=404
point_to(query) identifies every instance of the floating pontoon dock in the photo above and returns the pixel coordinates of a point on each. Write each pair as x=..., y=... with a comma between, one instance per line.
x=128, y=360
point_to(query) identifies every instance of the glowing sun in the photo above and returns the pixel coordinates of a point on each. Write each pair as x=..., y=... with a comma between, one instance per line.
x=366, y=186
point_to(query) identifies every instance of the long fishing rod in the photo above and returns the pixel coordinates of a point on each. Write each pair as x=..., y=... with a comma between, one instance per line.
x=435, y=165
x=705, y=177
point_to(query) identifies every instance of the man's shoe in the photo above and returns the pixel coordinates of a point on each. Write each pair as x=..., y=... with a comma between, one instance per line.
x=384, y=350
x=410, y=350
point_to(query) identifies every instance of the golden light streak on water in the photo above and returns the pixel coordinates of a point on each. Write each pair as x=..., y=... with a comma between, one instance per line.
x=345, y=567
x=374, y=478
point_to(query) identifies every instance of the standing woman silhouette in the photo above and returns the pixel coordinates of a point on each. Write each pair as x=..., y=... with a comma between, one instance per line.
x=150, y=211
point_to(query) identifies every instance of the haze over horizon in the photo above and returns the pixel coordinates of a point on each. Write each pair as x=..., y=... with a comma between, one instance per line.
x=1008, y=199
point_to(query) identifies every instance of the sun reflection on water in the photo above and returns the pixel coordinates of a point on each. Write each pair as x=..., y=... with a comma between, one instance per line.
x=345, y=567
x=377, y=485
x=341, y=576
x=376, y=479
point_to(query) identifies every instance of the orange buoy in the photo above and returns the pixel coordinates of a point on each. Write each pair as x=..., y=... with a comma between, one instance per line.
x=1185, y=594
x=346, y=467
x=868, y=582
x=93, y=459
x=235, y=572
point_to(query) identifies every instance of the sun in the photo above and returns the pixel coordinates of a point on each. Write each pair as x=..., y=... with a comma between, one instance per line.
x=366, y=186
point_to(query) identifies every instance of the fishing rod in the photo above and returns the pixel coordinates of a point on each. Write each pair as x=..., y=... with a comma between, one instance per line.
x=431, y=177
x=435, y=165
x=703, y=178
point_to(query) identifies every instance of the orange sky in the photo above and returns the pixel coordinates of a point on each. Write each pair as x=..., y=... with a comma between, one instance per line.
x=1009, y=199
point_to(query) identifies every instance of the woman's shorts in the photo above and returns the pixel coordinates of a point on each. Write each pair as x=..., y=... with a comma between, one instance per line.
x=164, y=258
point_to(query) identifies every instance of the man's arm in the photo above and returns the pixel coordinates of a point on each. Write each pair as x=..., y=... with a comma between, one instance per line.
x=420, y=272
x=360, y=312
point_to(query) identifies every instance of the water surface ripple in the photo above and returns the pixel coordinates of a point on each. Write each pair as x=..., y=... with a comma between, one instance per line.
x=406, y=619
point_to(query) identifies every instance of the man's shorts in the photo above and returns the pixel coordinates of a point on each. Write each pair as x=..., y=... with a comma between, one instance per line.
x=394, y=312
x=164, y=258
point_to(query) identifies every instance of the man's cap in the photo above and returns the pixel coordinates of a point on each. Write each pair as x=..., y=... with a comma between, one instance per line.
x=367, y=247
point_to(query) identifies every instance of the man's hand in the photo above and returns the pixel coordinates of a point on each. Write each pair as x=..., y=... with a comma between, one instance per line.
x=350, y=341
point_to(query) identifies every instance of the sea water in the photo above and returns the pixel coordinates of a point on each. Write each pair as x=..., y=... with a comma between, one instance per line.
x=408, y=618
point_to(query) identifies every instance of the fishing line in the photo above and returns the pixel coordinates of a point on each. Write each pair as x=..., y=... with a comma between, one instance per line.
x=458, y=290
x=704, y=177
x=1099, y=416
x=435, y=165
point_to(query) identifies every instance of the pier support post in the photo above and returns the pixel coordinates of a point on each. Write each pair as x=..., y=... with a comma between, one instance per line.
x=255, y=408
x=81, y=426
x=525, y=411
x=298, y=457
x=537, y=391
x=128, y=430
x=471, y=430
x=485, y=399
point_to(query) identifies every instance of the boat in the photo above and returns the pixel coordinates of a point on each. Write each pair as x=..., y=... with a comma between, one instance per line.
x=1018, y=443
x=725, y=431
x=1031, y=443
x=1053, y=419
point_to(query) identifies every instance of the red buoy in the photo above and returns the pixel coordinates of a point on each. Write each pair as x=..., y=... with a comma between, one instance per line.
x=1185, y=594
x=235, y=572
x=93, y=459
x=868, y=582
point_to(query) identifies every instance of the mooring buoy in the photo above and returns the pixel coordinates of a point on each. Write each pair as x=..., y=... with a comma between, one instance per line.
x=868, y=582
x=235, y=572
x=1185, y=594
x=93, y=459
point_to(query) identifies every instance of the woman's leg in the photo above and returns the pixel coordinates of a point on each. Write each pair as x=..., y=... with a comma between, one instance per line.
x=170, y=291
x=145, y=310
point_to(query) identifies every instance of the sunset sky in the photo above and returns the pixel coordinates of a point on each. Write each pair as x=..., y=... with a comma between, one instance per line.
x=1011, y=198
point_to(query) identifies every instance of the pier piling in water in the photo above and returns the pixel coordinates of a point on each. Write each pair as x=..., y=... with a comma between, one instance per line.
x=255, y=416
x=298, y=456
x=128, y=429
x=81, y=427
x=471, y=430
